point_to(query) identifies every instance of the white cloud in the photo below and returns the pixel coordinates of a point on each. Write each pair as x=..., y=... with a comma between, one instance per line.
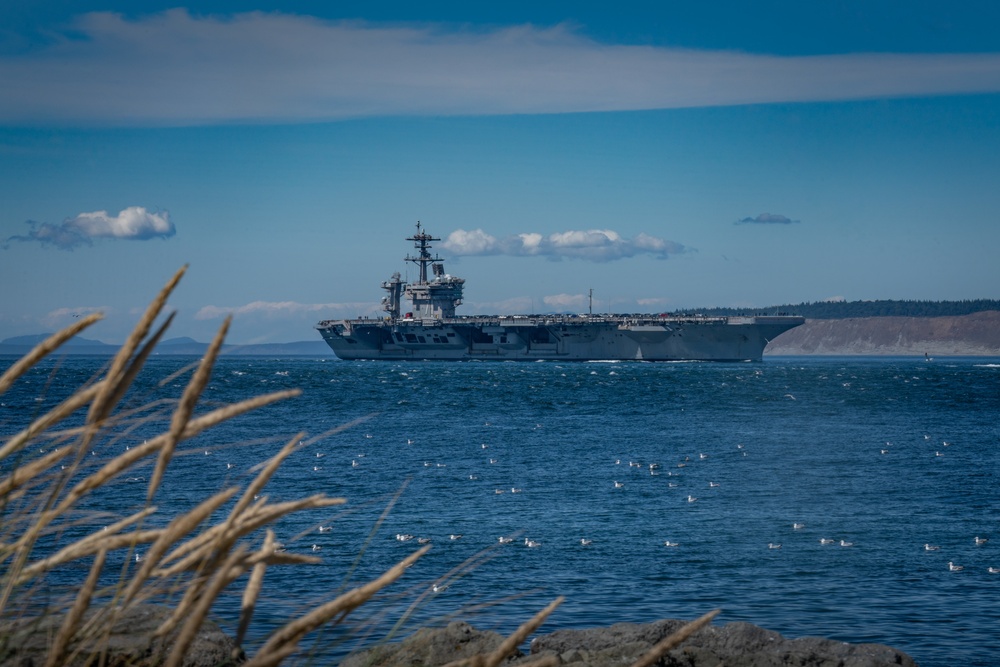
x=134, y=222
x=61, y=317
x=599, y=245
x=281, y=309
x=566, y=301
x=512, y=306
x=174, y=68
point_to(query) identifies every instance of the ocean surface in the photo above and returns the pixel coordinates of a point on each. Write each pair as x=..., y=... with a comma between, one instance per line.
x=879, y=456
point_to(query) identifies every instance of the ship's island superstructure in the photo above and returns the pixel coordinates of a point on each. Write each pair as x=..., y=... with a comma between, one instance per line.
x=432, y=331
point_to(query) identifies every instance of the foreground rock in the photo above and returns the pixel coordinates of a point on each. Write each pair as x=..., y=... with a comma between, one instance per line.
x=131, y=642
x=731, y=645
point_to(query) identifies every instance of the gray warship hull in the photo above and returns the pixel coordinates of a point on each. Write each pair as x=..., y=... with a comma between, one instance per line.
x=595, y=338
x=432, y=330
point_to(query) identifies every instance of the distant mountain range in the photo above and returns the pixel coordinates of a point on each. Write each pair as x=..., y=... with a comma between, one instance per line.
x=19, y=345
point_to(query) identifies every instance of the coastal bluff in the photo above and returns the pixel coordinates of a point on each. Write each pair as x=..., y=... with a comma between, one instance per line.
x=977, y=334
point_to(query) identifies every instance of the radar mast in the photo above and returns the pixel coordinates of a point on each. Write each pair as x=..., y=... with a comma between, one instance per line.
x=438, y=297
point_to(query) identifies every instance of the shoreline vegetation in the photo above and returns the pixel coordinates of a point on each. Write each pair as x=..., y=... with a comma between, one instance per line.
x=181, y=564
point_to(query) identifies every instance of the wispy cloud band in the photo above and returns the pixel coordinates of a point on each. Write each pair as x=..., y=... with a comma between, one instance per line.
x=283, y=309
x=174, y=68
x=134, y=223
x=599, y=245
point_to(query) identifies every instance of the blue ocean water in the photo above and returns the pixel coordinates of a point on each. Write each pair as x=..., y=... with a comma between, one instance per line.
x=884, y=455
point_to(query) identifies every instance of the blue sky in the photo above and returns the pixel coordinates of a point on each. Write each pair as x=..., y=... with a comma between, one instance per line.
x=665, y=155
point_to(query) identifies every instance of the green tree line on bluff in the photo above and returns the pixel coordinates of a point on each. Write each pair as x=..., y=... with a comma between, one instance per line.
x=835, y=310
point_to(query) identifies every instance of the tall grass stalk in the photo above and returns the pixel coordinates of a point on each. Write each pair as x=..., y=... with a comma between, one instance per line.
x=46, y=496
x=187, y=562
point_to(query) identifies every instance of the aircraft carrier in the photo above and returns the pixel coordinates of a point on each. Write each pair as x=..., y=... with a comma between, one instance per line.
x=430, y=329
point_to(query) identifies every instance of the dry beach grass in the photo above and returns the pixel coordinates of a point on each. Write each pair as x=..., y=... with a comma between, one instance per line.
x=224, y=542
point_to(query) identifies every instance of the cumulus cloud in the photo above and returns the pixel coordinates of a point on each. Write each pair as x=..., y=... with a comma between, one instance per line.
x=599, y=245
x=134, y=223
x=767, y=219
x=106, y=68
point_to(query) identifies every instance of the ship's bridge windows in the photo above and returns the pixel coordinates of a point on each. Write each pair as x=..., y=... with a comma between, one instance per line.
x=399, y=337
x=411, y=338
x=422, y=339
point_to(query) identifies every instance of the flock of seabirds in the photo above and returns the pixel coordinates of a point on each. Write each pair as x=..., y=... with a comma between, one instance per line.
x=654, y=470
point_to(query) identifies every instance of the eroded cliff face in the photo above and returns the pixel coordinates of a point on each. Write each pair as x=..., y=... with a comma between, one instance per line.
x=973, y=335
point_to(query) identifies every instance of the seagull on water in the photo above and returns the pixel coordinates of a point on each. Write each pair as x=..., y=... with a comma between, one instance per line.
x=531, y=543
x=772, y=545
x=619, y=485
x=980, y=541
x=955, y=568
x=325, y=529
x=455, y=536
x=845, y=543
x=825, y=540
x=585, y=542
x=668, y=543
x=691, y=499
x=993, y=570
x=931, y=547
x=798, y=526
x=316, y=547
x=505, y=540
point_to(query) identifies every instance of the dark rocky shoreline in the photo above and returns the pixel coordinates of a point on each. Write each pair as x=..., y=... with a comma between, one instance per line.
x=731, y=645
x=737, y=644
